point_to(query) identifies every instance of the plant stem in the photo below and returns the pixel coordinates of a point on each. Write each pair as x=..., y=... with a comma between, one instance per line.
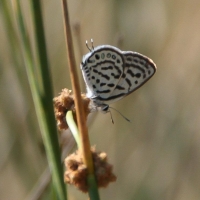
x=42, y=96
x=72, y=125
x=85, y=143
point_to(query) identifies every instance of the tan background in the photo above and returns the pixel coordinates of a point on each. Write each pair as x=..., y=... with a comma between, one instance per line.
x=157, y=155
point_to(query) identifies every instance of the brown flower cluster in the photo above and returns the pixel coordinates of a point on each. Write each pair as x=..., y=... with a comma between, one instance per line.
x=76, y=173
x=65, y=102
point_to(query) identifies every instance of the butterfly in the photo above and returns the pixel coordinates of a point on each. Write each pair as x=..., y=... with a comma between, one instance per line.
x=111, y=74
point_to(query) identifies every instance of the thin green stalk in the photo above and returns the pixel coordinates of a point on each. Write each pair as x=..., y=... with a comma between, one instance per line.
x=47, y=96
x=11, y=33
x=73, y=127
x=42, y=97
x=93, y=188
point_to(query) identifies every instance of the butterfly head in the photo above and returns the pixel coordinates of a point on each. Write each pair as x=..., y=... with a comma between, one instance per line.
x=100, y=105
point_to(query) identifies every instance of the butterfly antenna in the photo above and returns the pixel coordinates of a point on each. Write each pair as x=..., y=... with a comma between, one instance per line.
x=111, y=116
x=92, y=42
x=86, y=43
x=120, y=114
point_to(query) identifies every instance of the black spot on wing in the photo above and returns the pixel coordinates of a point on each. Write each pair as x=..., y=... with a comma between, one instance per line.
x=113, y=57
x=101, y=74
x=110, y=85
x=108, y=55
x=112, y=97
x=97, y=56
x=87, y=71
x=106, y=68
x=129, y=82
x=147, y=66
x=104, y=76
x=143, y=62
x=129, y=59
x=118, y=69
x=90, y=61
x=130, y=72
x=119, y=87
x=103, y=91
x=102, y=84
x=135, y=66
x=123, y=75
x=138, y=75
x=115, y=76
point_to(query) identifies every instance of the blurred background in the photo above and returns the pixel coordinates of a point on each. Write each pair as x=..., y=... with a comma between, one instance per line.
x=157, y=155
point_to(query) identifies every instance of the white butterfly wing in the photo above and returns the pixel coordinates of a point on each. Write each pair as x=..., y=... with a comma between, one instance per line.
x=111, y=74
x=138, y=69
x=102, y=69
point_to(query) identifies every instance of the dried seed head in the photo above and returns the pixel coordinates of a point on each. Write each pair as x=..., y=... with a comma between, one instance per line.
x=76, y=173
x=65, y=102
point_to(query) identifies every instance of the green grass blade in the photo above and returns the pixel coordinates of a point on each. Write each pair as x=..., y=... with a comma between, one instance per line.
x=42, y=95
